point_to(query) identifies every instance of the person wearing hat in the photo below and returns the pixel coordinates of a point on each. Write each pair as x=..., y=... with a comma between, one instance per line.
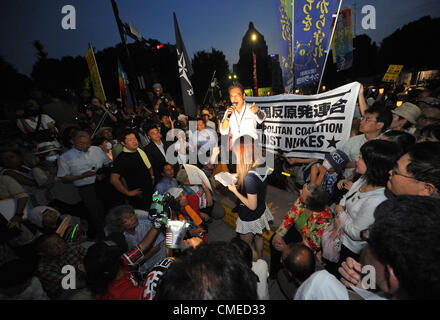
x=161, y=100
x=189, y=211
x=48, y=152
x=405, y=117
x=328, y=173
x=207, y=116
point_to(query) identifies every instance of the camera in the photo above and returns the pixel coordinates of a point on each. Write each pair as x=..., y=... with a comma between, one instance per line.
x=162, y=205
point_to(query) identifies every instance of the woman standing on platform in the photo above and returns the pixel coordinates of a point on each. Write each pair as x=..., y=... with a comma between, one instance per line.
x=252, y=175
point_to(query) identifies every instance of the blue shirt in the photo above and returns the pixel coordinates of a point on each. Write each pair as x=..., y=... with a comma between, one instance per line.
x=164, y=185
x=75, y=163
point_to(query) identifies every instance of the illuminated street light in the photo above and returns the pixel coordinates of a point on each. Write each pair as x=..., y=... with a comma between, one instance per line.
x=254, y=58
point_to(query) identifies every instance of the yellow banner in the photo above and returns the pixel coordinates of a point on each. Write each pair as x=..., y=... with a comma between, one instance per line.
x=392, y=73
x=98, y=89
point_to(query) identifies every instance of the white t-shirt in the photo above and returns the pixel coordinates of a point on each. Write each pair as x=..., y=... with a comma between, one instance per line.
x=261, y=269
x=45, y=120
x=322, y=285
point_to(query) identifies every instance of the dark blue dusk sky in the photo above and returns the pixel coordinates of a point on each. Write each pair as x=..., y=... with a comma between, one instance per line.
x=204, y=25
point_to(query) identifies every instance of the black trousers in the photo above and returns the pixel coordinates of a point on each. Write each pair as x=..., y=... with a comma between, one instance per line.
x=95, y=215
x=333, y=267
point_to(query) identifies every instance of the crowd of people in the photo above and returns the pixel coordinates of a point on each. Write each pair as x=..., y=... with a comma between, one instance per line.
x=79, y=178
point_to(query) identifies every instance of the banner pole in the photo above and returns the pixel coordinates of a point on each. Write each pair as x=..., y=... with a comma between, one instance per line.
x=293, y=46
x=328, y=47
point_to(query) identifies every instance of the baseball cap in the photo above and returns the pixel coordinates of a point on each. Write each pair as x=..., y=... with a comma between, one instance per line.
x=338, y=159
x=157, y=85
x=408, y=111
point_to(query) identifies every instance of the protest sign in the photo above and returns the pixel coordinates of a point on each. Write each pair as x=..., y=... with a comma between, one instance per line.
x=307, y=126
x=392, y=73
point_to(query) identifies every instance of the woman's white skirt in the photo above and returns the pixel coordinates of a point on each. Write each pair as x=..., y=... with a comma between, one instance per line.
x=255, y=226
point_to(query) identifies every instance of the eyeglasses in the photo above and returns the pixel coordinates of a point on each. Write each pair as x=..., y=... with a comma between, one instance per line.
x=395, y=173
x=368, y=120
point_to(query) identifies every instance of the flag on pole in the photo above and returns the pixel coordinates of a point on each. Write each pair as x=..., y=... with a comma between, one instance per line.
x=285, y=23
x=342, y=44
x=98, y=89
x=126, y=100
x=312, y=33
x=185, y=72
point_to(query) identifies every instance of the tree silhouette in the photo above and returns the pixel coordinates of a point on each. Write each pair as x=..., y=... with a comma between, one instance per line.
x=204, y=64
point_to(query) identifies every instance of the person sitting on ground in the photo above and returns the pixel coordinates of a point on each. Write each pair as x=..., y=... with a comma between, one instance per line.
x=55, y=255
x=225, y=275
x=49, y=220
x=355, y=212
x=328, y=173
x=407, y=268
x=168, y=181
x=299, y=264
x=304, y=223
x=259, y=267
x=108, y=265
x=417, y=172
x=189, y=212
x=205, y=196
x=404, y=139
x=17, y=281
x=135, y=224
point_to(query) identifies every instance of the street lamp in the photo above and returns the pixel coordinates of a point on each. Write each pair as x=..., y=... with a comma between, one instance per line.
x=254, y=58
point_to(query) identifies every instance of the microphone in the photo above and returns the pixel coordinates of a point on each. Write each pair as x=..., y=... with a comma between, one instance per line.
x=234, y=105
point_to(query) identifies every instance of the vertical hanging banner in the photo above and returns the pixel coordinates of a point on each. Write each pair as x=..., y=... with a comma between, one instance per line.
x=185, y=72
x=307, y=126
x=124, y=92
x=342, y=44
x=285, y=23
x=98, y=89
x=312, y=29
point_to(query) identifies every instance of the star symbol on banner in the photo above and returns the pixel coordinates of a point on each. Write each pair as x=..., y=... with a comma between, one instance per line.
x=332, y=142
x=182, y=66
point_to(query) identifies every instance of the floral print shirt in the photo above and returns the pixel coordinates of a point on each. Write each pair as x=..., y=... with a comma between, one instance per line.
x=311, y=231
